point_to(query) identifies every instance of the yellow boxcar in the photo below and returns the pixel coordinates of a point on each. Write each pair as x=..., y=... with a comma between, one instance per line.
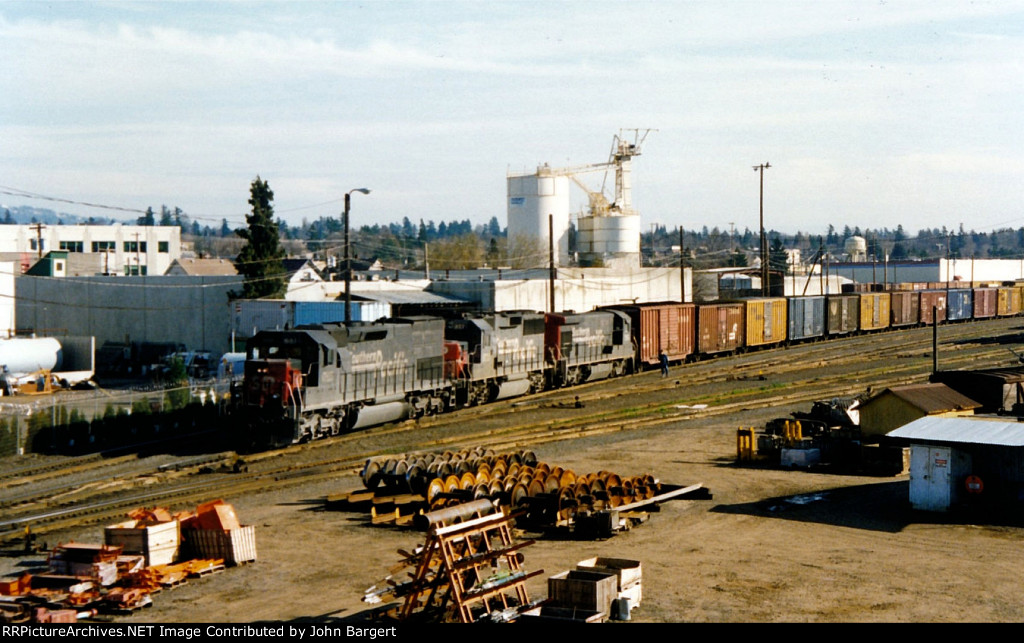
x=874, y=311
x=1008, y=301
x=766, y=321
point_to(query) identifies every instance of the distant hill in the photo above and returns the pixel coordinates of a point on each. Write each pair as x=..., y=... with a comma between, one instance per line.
x=25, y=214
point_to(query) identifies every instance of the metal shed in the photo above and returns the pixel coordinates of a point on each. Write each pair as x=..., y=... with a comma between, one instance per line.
x=964, y=462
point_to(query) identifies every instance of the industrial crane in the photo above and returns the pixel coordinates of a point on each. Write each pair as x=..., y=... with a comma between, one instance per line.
x=620, y=158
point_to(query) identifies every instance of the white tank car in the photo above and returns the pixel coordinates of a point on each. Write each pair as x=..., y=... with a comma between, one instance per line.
x=21, y=356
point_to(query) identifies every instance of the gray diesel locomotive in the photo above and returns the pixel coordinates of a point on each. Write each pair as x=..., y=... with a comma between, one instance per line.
x=315, y=381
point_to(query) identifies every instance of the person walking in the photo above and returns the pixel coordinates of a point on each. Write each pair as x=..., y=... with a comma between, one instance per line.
x=663, y=358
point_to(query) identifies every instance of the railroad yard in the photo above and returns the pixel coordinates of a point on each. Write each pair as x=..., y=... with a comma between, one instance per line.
x=769, y=544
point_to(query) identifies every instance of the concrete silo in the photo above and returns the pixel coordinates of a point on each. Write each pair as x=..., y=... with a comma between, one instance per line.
x=532, y=199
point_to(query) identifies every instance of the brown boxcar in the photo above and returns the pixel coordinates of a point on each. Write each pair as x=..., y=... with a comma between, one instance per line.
x=720, y=327
x=985, y=300
x=843, y=315
x=669, y=326
x=905, y=308
x=874, y=311
x=1007, y=301
x=765, y=321
x=933, y=301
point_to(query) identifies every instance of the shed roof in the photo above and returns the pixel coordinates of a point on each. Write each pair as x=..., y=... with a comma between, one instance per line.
x=963, y=430
x=410, y=296
x=930, y=398
x=203, y=267
x=1006, y=374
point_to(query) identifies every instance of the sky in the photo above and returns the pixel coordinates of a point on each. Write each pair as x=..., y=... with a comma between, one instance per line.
x=871, y=114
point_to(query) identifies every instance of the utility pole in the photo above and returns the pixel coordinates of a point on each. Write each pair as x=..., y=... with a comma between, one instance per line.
x=551, y=263
x=765, y=286
x=348, y=257
x=682, y=268
x=38, y=227
x=138, y=260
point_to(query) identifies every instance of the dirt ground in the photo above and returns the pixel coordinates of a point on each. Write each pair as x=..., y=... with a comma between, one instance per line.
x=769, y=546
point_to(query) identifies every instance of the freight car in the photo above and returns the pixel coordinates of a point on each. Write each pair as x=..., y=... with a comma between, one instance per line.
x=904, y=308
x=843, y=315
x=806, y=318
x=959, y=304
x=667, y=326
x=721, y=328
x=984, y=304
x=874, y=311
x=765, y=322
x=933, y=306
x=1008, y=301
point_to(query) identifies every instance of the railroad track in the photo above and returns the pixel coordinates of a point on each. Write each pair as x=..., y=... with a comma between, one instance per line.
x=784, y=377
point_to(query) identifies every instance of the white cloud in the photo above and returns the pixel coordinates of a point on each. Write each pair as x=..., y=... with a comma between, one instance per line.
x=432, y=102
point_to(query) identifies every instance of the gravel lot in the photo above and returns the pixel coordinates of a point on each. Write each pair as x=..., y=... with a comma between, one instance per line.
x=771, y=545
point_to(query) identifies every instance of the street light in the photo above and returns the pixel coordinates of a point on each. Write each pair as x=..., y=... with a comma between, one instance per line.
x=348, y=258
x=764, y=243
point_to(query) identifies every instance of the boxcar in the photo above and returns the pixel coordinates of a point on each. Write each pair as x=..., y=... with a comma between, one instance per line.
x=984, y=305
x=874, y=311
x=806, y=318
x=765, y=321
x=720, y=327
x=843, y=314
x=662, y=326
x=933, y=306
x=959, y=304
x=1007, y=301
x=905, y=308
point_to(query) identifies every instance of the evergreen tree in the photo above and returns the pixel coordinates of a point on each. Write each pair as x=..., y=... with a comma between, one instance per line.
x=493, y=227
x=260, y=259
x=738, y=259
x=778, y=259
x=148, y=218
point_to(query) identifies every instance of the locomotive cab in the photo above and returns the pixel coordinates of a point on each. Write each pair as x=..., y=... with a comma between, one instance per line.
x=280, y=368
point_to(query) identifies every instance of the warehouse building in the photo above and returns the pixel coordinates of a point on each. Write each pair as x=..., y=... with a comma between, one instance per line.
x=119, y=249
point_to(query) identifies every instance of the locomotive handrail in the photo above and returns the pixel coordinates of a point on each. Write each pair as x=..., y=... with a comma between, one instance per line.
x=295, y=399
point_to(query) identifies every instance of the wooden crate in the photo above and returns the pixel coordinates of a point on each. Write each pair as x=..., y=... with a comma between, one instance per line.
x=159, y=543
x=234, y=546
x=584, y=590
x=628, y=572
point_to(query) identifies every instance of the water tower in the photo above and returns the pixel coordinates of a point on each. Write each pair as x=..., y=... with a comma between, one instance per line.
x=856, y=248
